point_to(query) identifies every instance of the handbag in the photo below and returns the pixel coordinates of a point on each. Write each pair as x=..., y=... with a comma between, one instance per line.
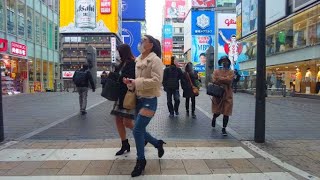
x=215, y=90
x=195, y=89
x=130, y=100
x=111, y=89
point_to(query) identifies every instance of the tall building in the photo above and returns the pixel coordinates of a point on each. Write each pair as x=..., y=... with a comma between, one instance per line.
x=29, y=45
x=173, y=30
x=292, y=44
x=85, y=23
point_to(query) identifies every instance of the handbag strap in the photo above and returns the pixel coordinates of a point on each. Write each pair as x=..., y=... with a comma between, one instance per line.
x=190, y=79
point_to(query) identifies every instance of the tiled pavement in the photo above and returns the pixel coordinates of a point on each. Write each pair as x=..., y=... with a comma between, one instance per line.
x=243, y=166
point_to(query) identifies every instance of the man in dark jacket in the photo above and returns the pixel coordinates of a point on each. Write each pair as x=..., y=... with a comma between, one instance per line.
x=82, y=78
x=171, y=77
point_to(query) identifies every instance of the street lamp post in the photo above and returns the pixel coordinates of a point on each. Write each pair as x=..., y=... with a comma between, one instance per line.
x=260, y=116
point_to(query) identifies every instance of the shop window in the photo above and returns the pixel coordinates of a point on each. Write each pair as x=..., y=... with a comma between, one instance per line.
x=11, y=16
x=31, y=70
x=21, y=18
x=50, y=35
x=38, y=70
x=1, y=15
x=37, y=27
x=29, y=23
x=44, y=31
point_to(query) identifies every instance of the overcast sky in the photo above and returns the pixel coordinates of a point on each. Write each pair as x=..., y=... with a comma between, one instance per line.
x=154, y=11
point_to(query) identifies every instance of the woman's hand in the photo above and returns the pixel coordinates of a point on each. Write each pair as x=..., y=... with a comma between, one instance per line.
x=130, y=83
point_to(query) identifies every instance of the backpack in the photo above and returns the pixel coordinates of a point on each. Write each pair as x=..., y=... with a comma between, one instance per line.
x=80, y=78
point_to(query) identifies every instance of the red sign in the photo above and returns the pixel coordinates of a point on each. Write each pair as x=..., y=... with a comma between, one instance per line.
x=105, y=6
x=3, y=45
x=203, y=3
x=175, y=9
x=67, y=74
x=167, y=45
x=18, y=49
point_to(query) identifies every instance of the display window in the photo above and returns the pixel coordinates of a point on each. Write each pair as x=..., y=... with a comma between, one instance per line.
x=45, y=74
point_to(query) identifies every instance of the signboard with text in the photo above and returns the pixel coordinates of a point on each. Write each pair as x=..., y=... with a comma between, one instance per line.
x=203, y=3
x=175, y=9
x=105, y=7
x=202, y=22
x=131, y=34
x=18, y=49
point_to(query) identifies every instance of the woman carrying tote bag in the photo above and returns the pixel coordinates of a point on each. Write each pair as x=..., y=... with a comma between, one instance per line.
x=223, y=105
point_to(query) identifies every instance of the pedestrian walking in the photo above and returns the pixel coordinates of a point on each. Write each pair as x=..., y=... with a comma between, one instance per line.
x=81, y=79
x=188, y=84
x=147, y=85
x=171, y=77
x=223, y=105
x=235, y=81
x=124, y=117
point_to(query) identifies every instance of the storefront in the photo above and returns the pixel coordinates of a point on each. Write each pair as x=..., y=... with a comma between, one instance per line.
x=292, y=49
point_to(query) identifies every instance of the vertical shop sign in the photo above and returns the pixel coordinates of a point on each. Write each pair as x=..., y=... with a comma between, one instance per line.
x=105, y=7
x=113, y=49
x=3, y=45
x=18, y=49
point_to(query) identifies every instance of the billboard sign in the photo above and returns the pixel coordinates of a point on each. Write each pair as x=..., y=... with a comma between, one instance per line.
x=89, y=16
x=225, y=3
x=133, y=10
x=298, y=4
x=167, y=31
x=167, y=45
x=18, y=49
x=187, y=32
x=274, y=13
x=200, y=45
x=239, y=19
x=131, y=35
x=175, y=9
x=166, y=56
x=203, y=3
x=202, y=22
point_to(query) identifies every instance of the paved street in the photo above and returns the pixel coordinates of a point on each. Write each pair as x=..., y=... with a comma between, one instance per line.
x=51, y=138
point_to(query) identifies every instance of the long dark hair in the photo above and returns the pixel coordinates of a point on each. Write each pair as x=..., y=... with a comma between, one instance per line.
x=125, y=53
x=189, y=67
x=156, y=45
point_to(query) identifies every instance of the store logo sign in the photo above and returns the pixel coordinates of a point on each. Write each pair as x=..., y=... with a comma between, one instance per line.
x=127, y=37
x=105, y=7
x=203, y=21
x=3, y=45
x=67, y=74
x=18, y=49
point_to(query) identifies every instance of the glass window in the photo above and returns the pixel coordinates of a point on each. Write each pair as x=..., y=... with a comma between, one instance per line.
x=37, y=27
x=56, y=36
x=50, y=36
x=21, y=18
x=29, y=23
x=2, y=15
x=31, y=70
x=44, y=31
x=11, y=16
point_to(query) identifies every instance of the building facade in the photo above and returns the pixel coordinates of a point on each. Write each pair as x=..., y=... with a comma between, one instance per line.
x=292, y=49
x=29, y=45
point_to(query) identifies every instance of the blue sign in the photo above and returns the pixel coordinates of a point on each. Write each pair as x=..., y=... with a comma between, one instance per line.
x=200, y=45
x=202, y=22
x=167, y=31
x=131, y=34
x=134, y=10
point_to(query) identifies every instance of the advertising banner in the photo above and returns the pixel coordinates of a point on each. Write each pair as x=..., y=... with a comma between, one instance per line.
x=249, y=13
x=225, y=3
x=200, y=44
x=134, y=10
x=18, y=49
x=167, y=31
x=175, y=9
x=298, y=4
x=187, y=32
x=239, y=19
x=167, y=45
x=202, y=22
x=89, y=16
x=203, y=3
x=166, y=56
x=3, y=45
x=131, y=35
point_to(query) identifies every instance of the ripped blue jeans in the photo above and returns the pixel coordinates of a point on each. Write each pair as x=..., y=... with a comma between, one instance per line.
x=146, y=107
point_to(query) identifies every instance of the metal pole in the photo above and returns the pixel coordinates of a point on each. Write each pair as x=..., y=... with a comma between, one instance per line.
x=1, y=111
x=260, y=116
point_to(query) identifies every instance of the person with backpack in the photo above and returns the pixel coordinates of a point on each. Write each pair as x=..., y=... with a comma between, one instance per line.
x=81, y=79
x=171, y=76
x=235, y=80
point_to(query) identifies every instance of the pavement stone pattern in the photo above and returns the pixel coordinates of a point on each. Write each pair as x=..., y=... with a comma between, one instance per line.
x=124, y=167
x=287, y=118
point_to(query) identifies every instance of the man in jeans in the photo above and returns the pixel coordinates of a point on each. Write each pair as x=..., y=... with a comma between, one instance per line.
x=171, y=76
x=82, y=78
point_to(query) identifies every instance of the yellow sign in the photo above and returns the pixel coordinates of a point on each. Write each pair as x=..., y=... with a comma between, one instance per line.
x=84, y=16
x=166, y=57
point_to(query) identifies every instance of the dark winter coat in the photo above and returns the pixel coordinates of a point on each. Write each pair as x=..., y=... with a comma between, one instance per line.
x=171, y=77
x=186, y=85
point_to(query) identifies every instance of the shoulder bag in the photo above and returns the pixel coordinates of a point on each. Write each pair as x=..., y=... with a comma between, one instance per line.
x=215, y=90
x=195, y=89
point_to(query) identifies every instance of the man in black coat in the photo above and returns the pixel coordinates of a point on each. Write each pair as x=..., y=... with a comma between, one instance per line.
x=171, y=77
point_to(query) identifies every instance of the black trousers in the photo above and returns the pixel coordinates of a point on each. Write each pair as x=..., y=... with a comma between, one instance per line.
x=225, y=119
x=176, y=97
x=193, y=103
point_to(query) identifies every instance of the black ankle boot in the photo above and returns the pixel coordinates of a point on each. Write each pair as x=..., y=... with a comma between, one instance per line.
x=125, y=147
x=140, y=165
x=160, y=148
